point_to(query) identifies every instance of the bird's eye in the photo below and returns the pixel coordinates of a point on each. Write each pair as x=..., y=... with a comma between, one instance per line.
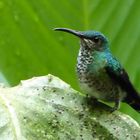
x=96, y=39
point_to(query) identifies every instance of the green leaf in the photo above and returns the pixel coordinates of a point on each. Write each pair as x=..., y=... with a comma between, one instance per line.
x=47, y=108
x=29, y=47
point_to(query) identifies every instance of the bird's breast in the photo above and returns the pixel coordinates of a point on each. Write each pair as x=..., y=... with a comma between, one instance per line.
x=100, y=87
x=93, y=77
x=95, y=81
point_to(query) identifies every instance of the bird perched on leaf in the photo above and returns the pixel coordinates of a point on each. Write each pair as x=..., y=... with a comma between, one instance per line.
x=100, y=74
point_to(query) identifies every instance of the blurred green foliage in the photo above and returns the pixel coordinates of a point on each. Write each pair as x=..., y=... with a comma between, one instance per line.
x=29, y=47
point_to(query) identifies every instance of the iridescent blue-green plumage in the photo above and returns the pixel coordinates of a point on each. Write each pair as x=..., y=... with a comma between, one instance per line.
x=100, y=73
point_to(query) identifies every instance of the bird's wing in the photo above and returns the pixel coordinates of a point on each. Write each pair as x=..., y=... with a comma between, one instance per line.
x=121, y=78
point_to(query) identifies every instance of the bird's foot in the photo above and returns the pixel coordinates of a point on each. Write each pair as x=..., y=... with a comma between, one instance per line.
x=113, y=109
x=116, y=106
x=91, y=100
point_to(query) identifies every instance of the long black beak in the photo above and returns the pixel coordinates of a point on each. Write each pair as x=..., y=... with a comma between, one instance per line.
x=76, y=33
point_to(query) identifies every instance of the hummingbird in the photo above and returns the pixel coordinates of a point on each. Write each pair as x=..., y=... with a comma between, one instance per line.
x=100, y=74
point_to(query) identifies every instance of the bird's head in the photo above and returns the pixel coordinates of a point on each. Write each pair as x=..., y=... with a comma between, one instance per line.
x=91, y=40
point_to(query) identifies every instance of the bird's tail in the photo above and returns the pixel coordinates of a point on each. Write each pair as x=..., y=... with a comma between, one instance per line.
x=133, y=99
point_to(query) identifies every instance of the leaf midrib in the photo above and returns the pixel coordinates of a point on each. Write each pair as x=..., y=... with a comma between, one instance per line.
x=13, y=117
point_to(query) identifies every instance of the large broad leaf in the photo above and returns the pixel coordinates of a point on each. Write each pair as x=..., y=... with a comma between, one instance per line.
x=29, y=47
x=46, y=108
